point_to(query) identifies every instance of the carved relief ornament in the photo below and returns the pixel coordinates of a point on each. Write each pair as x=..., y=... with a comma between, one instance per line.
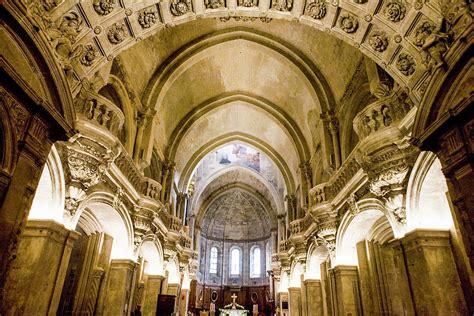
x=148, y=17
x=348, y=23
x=180, y=7
x=406, y=64
x=378, y=40
x=282, y=5
x=395, y=10
x=104, y=7
x=316, y=9
x=117, y=33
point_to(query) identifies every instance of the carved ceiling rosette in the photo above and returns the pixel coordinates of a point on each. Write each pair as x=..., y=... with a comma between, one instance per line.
x=89, y=55
x=180, y=7
x=214, y=4
x=316, y=9
x=378, y=40
x=104, y=7
x=406, y=64
x=117, y=33
x=148, y=17
x=395, y=10
x=282, y=5
x=348, y=23
x=247, y=3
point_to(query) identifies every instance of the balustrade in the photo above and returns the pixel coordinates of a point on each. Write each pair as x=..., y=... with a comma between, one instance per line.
x=101, y=111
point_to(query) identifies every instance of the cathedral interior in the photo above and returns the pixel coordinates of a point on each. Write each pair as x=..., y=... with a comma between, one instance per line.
x=281, y=157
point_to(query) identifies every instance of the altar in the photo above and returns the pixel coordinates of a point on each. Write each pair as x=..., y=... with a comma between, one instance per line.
x=233, y=312
x=233, y=309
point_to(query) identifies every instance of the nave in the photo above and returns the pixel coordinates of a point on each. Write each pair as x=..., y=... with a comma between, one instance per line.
x=258, y=157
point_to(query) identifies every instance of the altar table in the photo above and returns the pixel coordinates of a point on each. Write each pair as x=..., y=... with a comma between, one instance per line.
x=233, y=312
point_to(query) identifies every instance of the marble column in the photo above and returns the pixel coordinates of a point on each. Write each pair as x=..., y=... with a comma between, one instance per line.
x=432, y=273
x=314, y=298
x=346, y=290
x=119, y=287
x=152, y=289
x=294, y=300
x=35, y=279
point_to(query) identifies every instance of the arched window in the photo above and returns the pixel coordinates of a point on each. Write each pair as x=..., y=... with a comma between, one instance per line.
x=235, y=261
x=268, y=256
x=255, y=262
x=213, y=261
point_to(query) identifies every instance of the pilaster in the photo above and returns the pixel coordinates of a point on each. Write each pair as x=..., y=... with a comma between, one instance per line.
x=119, y=287
x=152, y=289
x=432, y=272
x=42, y=258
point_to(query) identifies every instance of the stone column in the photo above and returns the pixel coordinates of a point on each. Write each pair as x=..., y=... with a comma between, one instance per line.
x=314, y=297
x=294, y=300
x=35, y=280
x=183, y=301
x=432, y=273
x=346, y=290
x=152, y=289
x=119, y=287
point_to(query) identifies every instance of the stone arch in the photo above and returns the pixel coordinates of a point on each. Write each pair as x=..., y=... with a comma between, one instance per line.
x=427, y=202
x=273, y=110
x=246, y=139
x=48, y=202
x=367, y=19
x=154, y=92
x=151, y=250
x=47, y=83
x=278, y=201
x=264, y=204
x=371, y=222
x=102, y=214
x=317, y=254
x=8, y=137
x=296, y=271
x=129, y=132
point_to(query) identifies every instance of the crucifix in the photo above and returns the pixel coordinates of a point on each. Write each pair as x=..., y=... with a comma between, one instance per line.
x=234, y=297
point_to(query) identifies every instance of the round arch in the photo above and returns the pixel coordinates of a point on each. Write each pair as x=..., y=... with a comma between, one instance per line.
x=150, y=249
x=367, y=19
x=273, y=110
x=317, y=254
x=246, y=139
x=103, y=215
x=127, y=109
x=48, y=202
x=224, y=190
x=197, y=195
x=169, y=70
x=427, y=202
x=372, y=221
